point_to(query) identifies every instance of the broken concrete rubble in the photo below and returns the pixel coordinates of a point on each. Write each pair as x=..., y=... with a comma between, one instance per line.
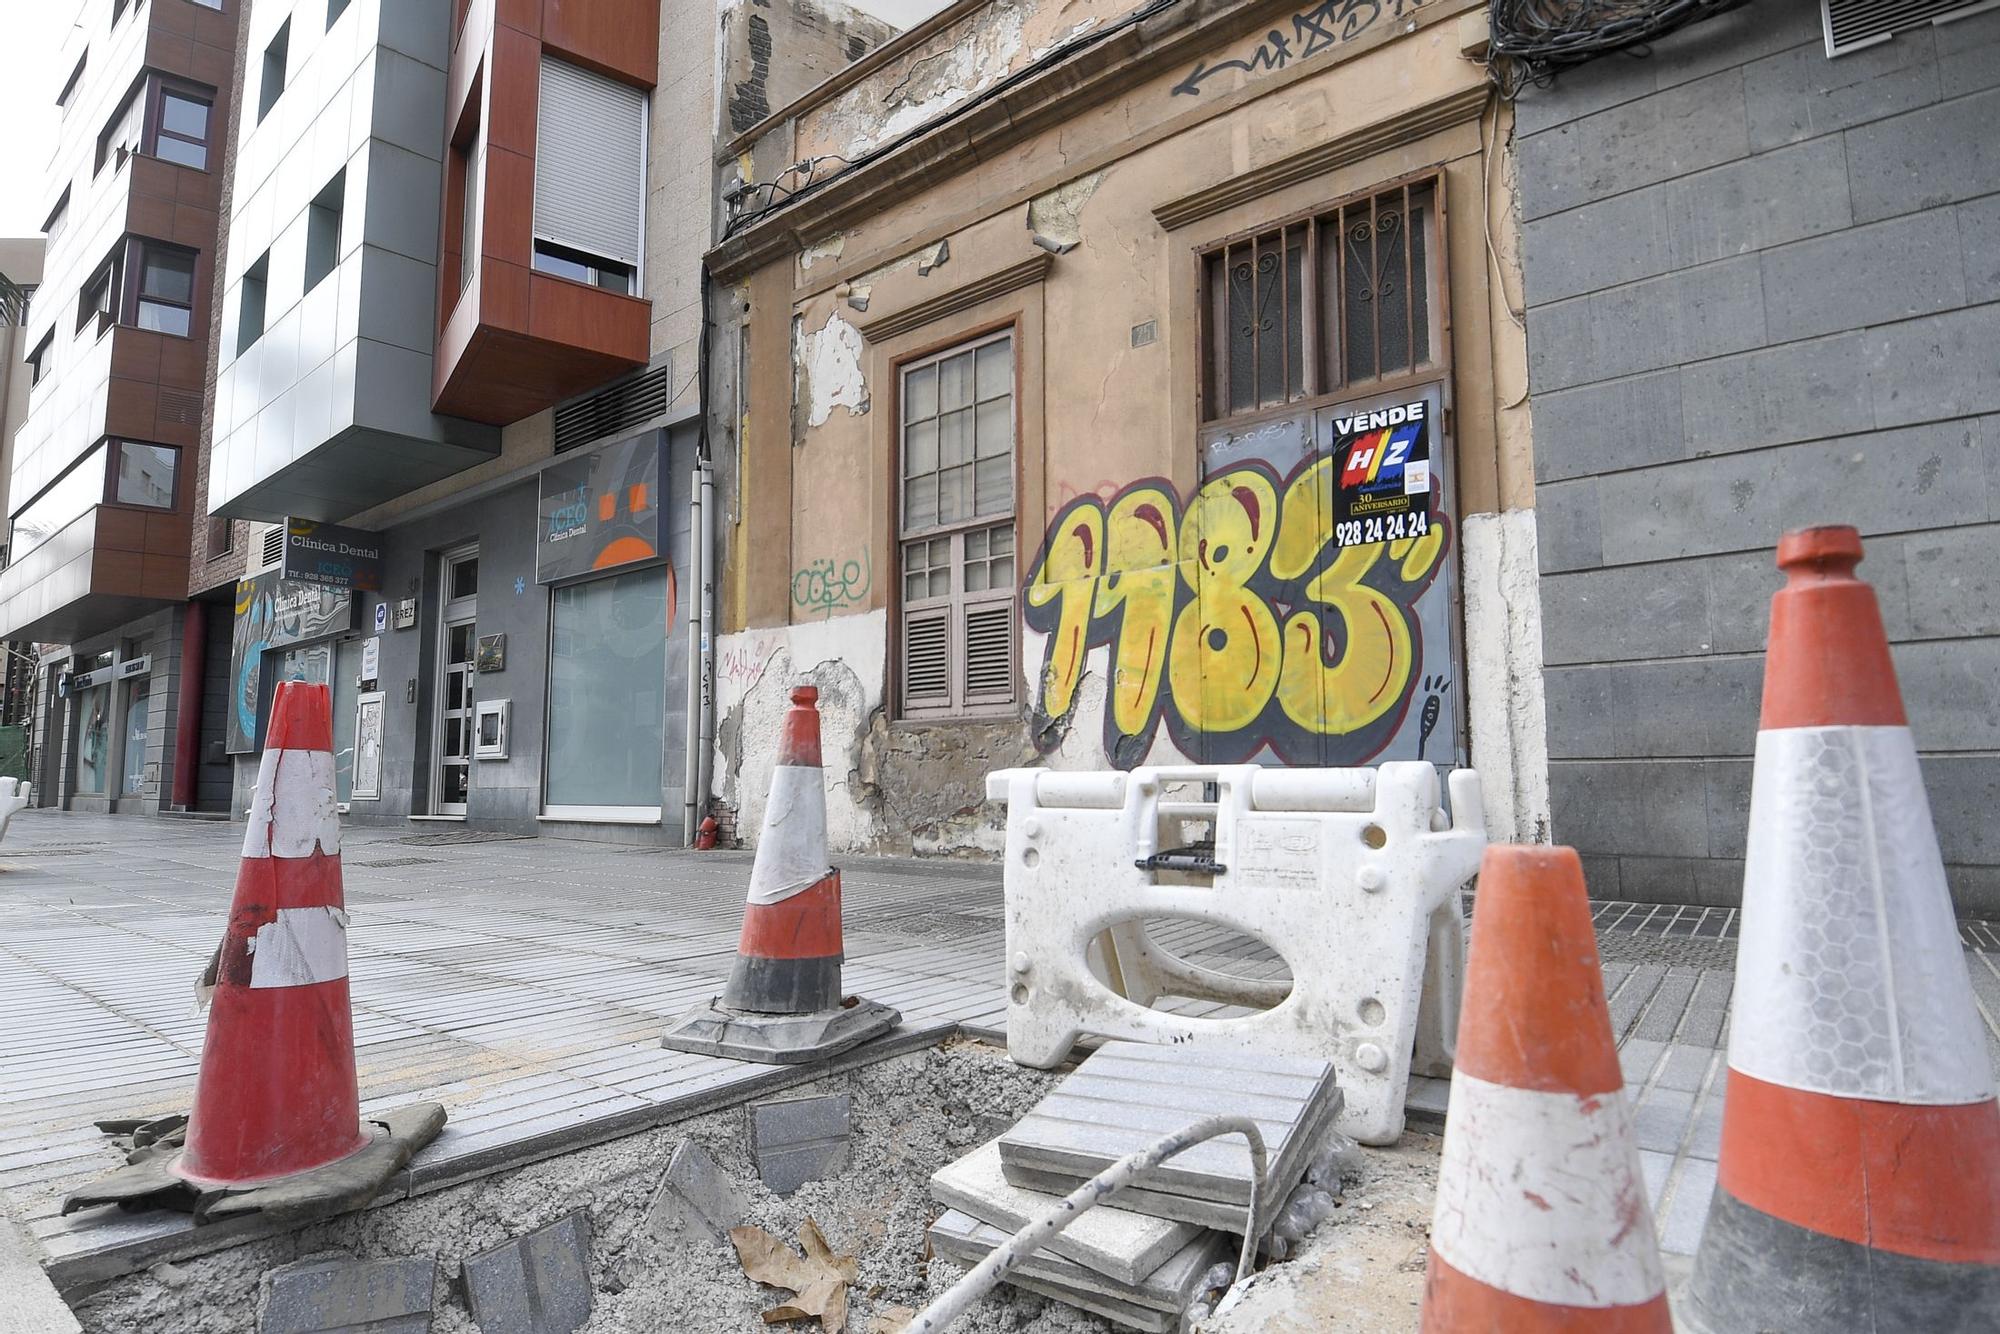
x=696, y=1198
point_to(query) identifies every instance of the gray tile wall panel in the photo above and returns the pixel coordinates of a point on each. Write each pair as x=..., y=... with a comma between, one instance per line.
x=1763, y=291
x=1937, y=155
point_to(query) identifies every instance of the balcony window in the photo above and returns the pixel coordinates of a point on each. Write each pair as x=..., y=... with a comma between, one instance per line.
x=43, y=359
x=58, y=218
x=250, y=310
x=145, y=475
x=163, y=300
x=121, y=137
x=181, y=126
x=99, y=298
x=323, y=231
x=68, y=93
x=272, y=82
x=590, y=175
x=579, y=267
x=60, y=504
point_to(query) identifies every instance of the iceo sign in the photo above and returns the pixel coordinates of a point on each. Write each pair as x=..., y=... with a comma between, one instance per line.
x=1382, y=475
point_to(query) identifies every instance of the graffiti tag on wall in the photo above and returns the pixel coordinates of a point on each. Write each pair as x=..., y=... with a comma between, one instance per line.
x=1235, y=618
x=1313, y=30
x=824, y=587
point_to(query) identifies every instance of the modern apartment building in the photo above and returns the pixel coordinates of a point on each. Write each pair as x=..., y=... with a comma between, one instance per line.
x=20, y=276
x=457, y=413
x=99, y=501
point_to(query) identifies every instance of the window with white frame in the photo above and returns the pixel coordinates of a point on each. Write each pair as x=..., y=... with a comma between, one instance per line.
x=957, y=536
x=590, y=177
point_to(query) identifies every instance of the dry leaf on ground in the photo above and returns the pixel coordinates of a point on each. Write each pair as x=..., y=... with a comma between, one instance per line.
x=818, y=1279
x=892, y=1321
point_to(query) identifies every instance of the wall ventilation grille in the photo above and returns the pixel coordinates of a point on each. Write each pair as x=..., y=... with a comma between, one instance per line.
x=1854, y=24
x=270, y=548
x=182, y=407
x=615, y=408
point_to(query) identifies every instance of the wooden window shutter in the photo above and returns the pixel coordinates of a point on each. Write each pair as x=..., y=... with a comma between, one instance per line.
x=927, y=660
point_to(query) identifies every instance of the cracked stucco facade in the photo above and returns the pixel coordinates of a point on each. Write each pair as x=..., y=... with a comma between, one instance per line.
x=1058, y=234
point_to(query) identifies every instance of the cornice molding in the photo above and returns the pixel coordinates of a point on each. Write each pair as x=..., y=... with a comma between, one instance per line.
x=1010, y=279
x=1397, y=131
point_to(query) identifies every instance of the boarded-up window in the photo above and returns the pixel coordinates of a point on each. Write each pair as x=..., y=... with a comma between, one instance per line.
x=958, y=559
x=590, y=165
x=1338, y=300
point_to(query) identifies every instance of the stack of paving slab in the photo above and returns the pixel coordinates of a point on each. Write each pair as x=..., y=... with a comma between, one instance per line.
x=1140, y=1258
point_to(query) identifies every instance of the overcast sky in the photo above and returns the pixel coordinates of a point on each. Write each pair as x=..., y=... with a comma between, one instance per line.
x=31, y=33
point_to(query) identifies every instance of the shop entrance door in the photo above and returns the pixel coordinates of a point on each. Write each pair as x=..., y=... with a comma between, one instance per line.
x=457, y=635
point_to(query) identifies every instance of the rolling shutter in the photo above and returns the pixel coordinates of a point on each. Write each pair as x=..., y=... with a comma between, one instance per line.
x=590, y=163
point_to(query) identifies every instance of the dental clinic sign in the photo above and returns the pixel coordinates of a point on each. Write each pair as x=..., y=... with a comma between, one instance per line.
x=319, y=553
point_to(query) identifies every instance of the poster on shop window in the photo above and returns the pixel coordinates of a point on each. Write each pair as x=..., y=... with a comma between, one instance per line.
x=1382, y=473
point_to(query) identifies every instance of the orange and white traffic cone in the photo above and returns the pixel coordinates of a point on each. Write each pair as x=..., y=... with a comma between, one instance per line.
x=1859, y=1179
x=277, y=1124
x=783, y=1003
x=1541, y=1220
x=277, y=1092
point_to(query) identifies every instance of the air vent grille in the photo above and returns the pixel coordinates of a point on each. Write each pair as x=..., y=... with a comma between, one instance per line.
x=1853, y=24
x=271, y=548
x=182, y=407
x=615, y=408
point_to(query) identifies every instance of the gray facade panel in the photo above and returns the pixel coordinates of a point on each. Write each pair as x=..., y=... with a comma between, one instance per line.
x=1722, y=347
x=1800, y=94
x=1774, y=396
x=1892, y=270
x=1888, y=481
x=1610, y=425
x=1709, y=311
x=1979, y=233
x=1938, y=155
x=1671, y=133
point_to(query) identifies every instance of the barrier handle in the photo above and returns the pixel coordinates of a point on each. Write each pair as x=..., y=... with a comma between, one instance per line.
x=1198, y=861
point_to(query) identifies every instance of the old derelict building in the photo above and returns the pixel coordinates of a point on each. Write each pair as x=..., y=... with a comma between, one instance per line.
x=1124, y=382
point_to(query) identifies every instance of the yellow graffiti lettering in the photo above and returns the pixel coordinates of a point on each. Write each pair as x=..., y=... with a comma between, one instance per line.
x=1223, y=662
x=1074, y=557
x=1373, y=666
x=1138, y=588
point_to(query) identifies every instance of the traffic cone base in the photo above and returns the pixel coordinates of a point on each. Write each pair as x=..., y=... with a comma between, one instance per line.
x=783, y=1003
x=1541, y=1220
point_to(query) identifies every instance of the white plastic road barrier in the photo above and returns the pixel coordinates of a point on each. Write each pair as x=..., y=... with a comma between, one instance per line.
x=1350, y=875
x=13, y=799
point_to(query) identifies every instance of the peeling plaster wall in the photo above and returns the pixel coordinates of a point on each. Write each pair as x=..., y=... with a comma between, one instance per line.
x=829, y=371
x=889, y=789
x=773, y=52
x=944, y=70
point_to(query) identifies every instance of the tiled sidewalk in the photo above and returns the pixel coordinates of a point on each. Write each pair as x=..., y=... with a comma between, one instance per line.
x=524, y=983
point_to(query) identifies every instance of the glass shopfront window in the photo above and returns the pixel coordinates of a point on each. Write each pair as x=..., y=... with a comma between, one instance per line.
x=607, y=695
x=138, y=703
x=93, y=731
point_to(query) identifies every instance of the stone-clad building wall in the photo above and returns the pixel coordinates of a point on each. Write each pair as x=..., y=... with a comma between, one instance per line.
x=1763, y=290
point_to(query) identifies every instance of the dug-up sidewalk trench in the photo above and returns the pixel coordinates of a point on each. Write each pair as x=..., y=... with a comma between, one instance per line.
x=644, y=1270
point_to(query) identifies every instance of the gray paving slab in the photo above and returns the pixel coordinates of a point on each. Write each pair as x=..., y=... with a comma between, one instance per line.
x=1126, y=1095
x=797, y=1140
x=696, y=1198
x=1168, y=1288
x=1123, y=1245
x=535, y=1284
x=350, y=1297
